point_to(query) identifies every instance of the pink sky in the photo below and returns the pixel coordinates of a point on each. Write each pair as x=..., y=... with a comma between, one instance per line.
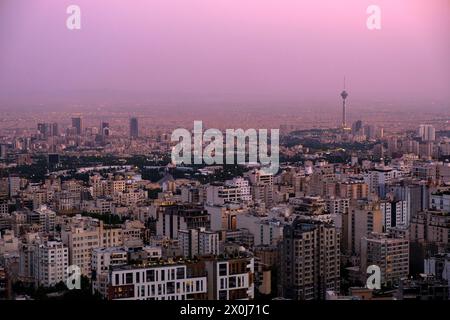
x=230, y=49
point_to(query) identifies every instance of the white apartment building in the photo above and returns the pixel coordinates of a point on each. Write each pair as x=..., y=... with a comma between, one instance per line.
x=338, y=207
x=157, y=282
x=81, y=241
x=13, y=186
x=395, y=213
x=220, y=194
x=102, y=260
x=266, y=231
x=244, y=187
x=231, y=279
x=198, y=242
x=261, y=186
x=378, y=178
x=440, y=201
x=51, y=260
x=427, y=132
x=81, y=235
x=223, y=217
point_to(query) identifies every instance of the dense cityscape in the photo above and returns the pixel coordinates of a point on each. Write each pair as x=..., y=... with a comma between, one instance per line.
x=224, y=158
x=109, y=202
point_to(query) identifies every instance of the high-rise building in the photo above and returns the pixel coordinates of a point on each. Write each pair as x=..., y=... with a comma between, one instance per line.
x=414, y=193
x=13, y=185
x=4, y=207
x=427, y=132
x=395, y=213
x=219, y=194
x=44, y=218
x=378, y=178
x=438, y=266
x=244, y=187
x=3, y=151
x=102, y=260
x=357, y=127
x=42, y=128
x=261, y=187
x=134, y=128
x=181, y=217
x=440, y=201
x=48, y=129
x=352, y=190
x=431, y=227
x=77, y=123
x=389, y=253
x=82, y=234
x=198, y=242
x=51, y=260
x=105, y=129
x=265, y=231
x=363, y=218
x=55, y=129
x=309, y=260
x=224, y=217
x=231, y=278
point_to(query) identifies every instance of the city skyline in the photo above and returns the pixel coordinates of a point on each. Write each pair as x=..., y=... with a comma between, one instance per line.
x=253, y=153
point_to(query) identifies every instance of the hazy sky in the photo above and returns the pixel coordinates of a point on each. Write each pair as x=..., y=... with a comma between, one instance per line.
x=227, y=49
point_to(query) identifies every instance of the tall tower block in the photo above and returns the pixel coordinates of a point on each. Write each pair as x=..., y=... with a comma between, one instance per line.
x=344, y=96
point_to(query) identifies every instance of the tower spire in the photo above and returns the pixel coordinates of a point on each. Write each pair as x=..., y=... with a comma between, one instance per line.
x=344, y=96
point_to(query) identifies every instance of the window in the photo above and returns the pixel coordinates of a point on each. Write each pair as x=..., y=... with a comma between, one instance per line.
x=222, y=269
x=170, y=287
x=222, y=295
x=180, y=273
x=150, y=275
x=129, y=278
x=232, y=282
x=159, y=289
x=153, y=289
